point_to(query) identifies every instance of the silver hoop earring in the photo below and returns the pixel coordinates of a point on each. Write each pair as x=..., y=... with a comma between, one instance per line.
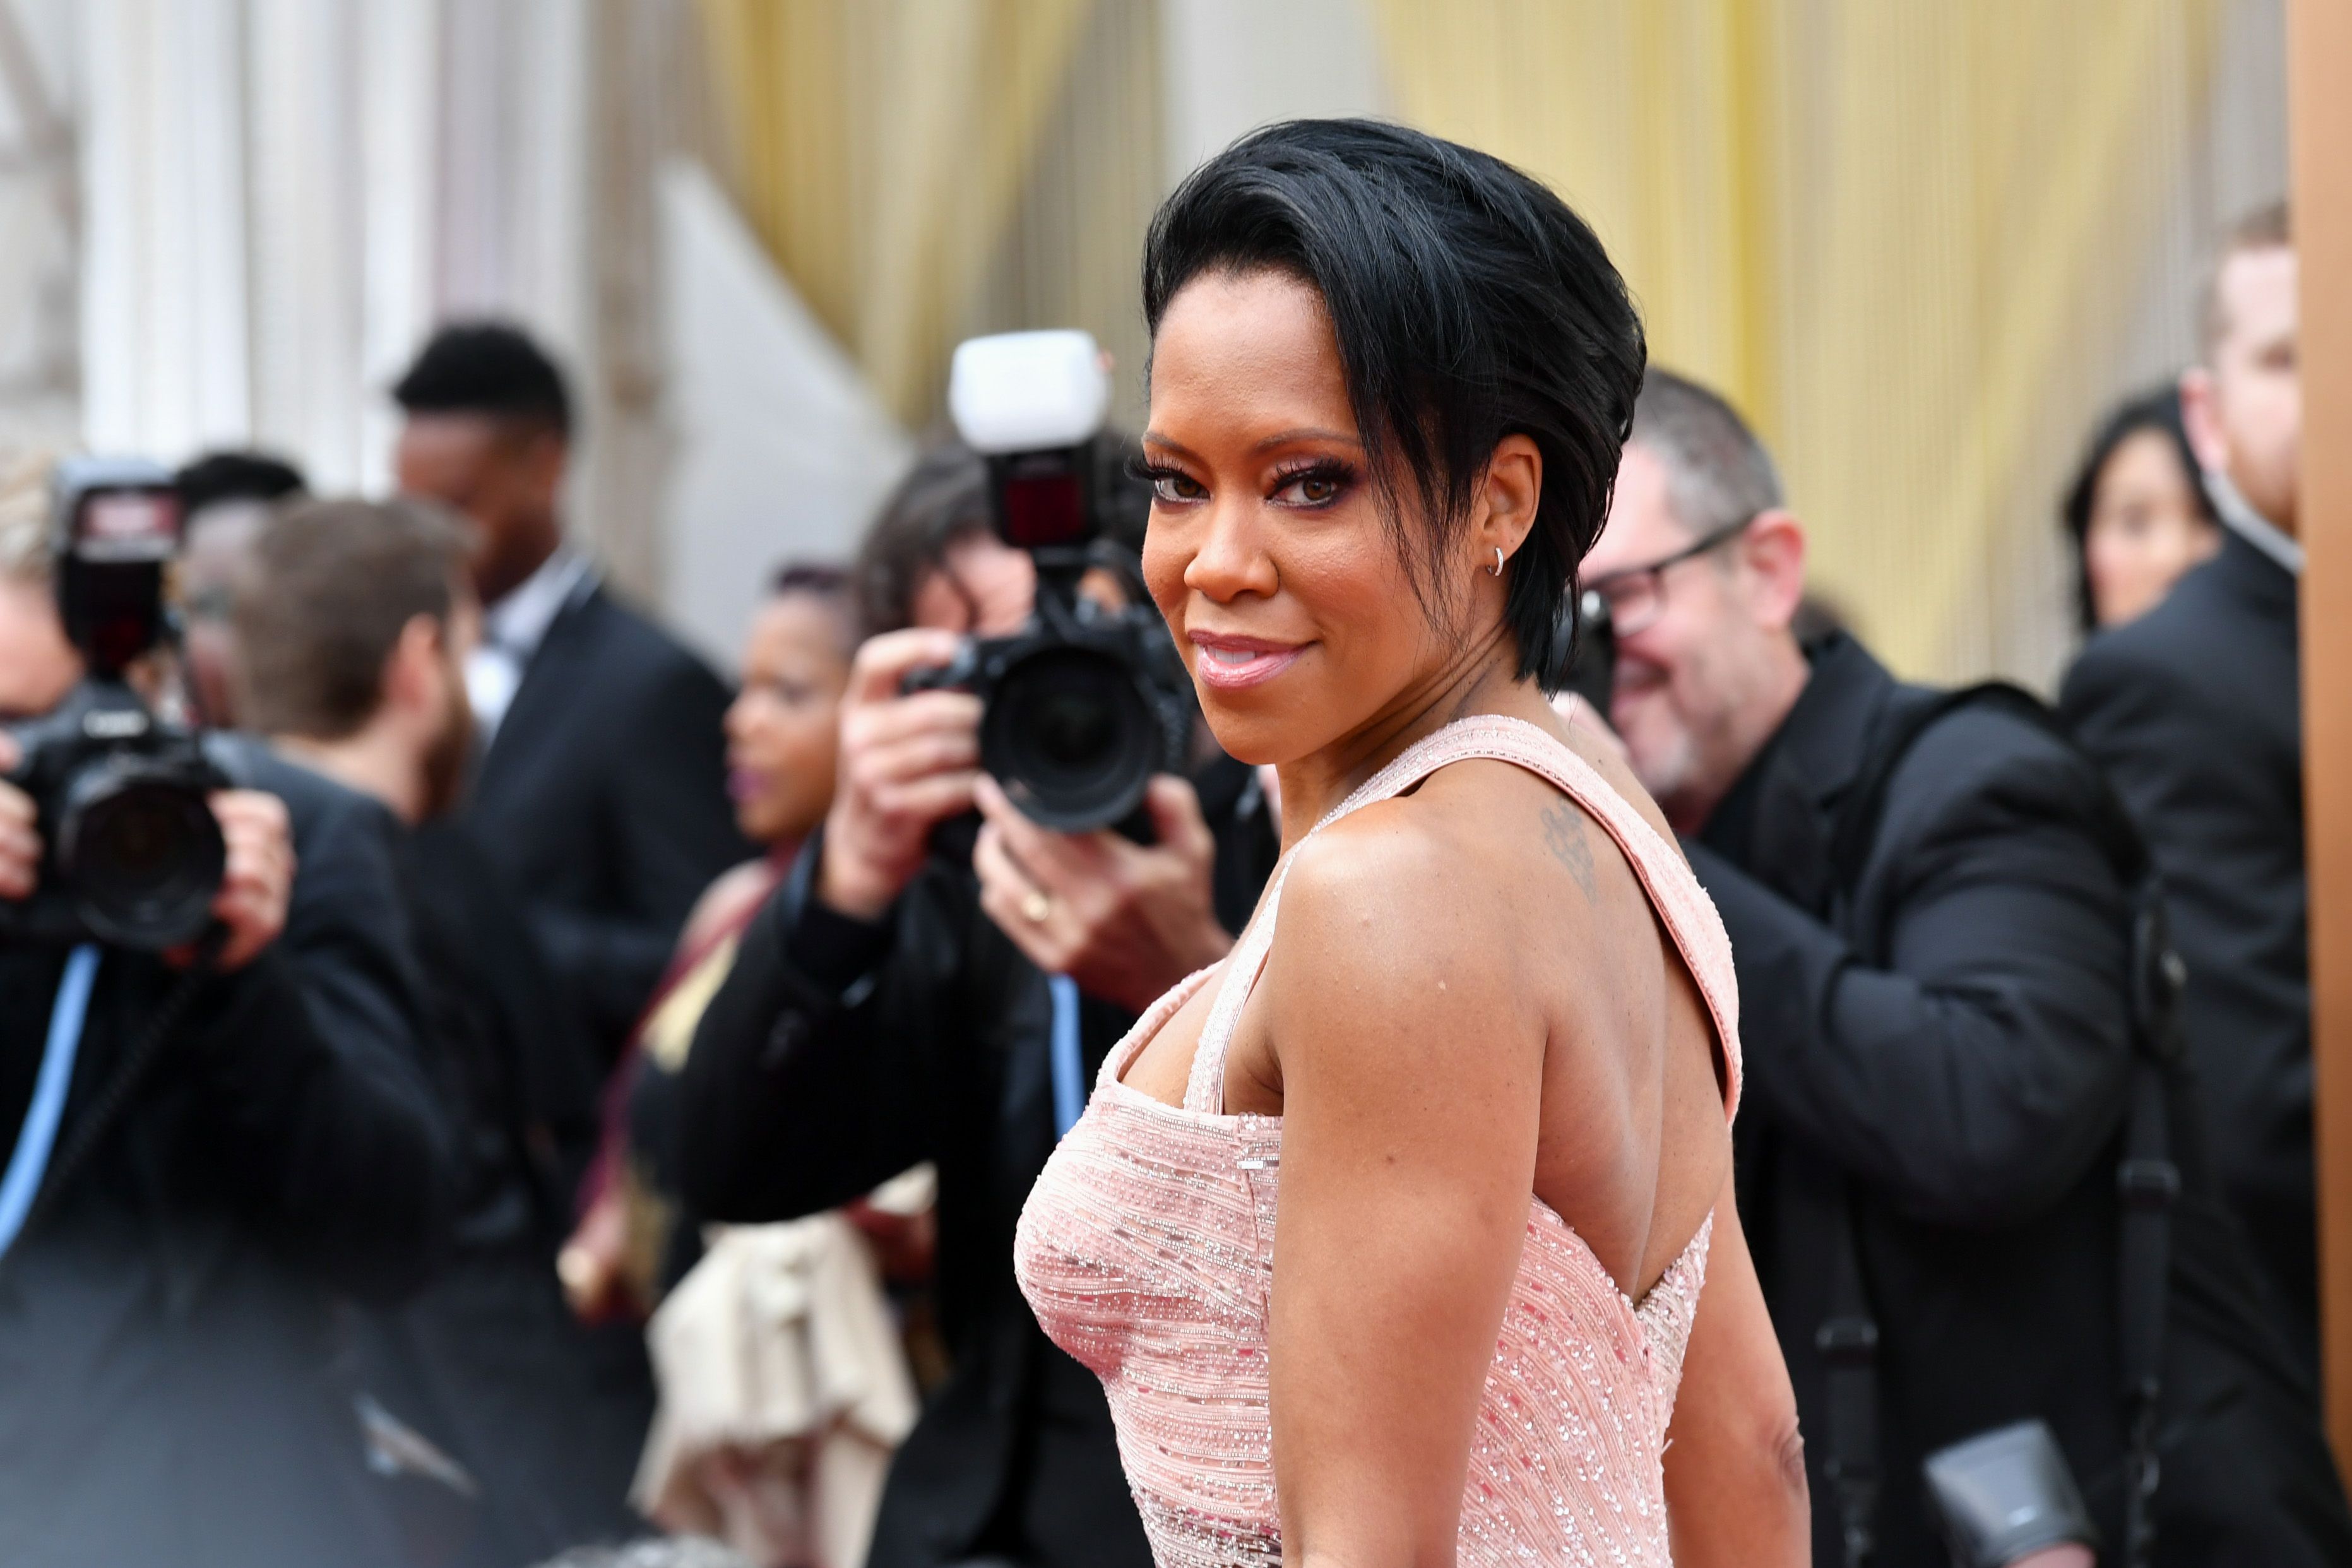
x=1497, y=569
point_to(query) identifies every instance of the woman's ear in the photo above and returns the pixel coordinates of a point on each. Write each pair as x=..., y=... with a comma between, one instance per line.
x=1512, y=490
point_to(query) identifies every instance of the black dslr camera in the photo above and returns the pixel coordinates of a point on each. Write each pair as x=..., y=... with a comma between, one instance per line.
x=1082, y=705
x=131, y=854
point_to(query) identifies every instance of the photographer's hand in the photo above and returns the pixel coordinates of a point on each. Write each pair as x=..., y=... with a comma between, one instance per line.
x=1125, y=920
x=20, y=843
x=258, y=879
x=907, y=763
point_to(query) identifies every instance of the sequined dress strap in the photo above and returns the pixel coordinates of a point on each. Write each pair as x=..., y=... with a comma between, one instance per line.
x=1676, y=892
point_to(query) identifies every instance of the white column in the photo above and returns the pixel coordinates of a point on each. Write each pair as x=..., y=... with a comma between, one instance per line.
x=164, y=324
x=399, y=149
x=308, y=234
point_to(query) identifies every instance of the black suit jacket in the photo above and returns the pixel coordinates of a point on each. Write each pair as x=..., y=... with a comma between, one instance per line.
x=509, y=1054
x=168, y=1383
x=602, y=799
x=2193, y=710
x=1950, y=1046
x=837, y=1055
x=488, y=1362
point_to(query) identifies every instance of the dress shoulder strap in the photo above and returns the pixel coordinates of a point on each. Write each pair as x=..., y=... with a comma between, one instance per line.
x=1674, y=891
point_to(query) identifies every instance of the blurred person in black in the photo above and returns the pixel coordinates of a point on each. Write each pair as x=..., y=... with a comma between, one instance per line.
x=891, y=1004
x=601, y=792
x=223, y=496
x=353, y=620
x=170, y=1388
x=2136, y=512
x=2194, y=711
x=1937, y=1036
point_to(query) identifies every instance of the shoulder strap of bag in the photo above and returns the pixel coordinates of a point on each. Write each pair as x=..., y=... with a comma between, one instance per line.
x=2147, y=1181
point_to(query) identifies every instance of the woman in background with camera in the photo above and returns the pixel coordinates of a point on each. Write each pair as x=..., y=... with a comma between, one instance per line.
x=1394, y=1235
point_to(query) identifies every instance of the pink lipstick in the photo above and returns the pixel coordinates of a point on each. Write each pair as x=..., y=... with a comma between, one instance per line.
x=1236, y=663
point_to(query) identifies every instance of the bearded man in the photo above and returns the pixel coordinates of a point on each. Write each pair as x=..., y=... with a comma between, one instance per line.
x=352, y=621
x=1933, y=933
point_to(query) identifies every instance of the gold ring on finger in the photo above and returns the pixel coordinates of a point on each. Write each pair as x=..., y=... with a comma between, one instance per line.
x=1035, y=907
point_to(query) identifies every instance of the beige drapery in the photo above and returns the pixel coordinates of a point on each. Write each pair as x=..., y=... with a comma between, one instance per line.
x=1905, y=236
x=1917, y=241
x=927, y=169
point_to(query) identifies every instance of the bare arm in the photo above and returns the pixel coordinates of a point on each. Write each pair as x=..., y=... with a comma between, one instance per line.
x=1735, y=1494
x=1410, y=1085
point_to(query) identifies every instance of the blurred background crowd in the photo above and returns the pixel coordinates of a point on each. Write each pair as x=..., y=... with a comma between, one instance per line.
x=554, y=395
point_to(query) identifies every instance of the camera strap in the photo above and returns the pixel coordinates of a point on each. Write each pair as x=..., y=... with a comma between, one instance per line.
x=1848, y=1342
x=107, y=1106
x=1069, y=1067
x=2147, y=1182
x=29, y=1160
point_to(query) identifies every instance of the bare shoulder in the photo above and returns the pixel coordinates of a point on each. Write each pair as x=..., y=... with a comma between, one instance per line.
x=1410, y=863
x=1407, y=908
x=725, y=902
x=1389, y=959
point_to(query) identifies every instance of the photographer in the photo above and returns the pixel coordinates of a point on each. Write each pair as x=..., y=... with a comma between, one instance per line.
x=213, y=1144
x=891, y=1004
x=1955, y=1081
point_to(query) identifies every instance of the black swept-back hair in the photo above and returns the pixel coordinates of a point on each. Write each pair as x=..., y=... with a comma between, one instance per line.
x=1469, y=304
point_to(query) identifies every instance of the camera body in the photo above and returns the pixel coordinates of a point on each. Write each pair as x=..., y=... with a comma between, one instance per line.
x=1082, y=705
x=131, y=854
x=1079, y=709
x=1592, y=672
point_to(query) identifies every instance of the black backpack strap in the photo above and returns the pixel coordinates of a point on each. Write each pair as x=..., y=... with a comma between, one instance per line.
x=2148, y=1184
x=2147, y=1180
x=1848, y=1343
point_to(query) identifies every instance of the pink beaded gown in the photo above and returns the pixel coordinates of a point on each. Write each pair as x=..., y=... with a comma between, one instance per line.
x=1147, y=1251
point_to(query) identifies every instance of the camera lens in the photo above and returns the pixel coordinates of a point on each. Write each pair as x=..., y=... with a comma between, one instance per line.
x=142, y=853
x=1070, y=738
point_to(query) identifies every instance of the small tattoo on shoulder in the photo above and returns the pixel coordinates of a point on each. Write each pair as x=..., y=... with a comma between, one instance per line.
x=1563, y=829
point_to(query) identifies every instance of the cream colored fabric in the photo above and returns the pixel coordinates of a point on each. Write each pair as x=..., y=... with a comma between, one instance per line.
x=1907, y=238
x=928, y=169
x=783, y=1391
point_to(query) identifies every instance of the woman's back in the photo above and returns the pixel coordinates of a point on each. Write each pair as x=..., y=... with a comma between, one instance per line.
x=1148, y=1246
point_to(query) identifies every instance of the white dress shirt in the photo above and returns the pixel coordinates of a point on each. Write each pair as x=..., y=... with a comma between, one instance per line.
x=512, y=631
x=2239, y=517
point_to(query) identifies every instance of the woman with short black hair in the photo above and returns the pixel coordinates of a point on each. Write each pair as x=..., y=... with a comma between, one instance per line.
x=1387, y=1235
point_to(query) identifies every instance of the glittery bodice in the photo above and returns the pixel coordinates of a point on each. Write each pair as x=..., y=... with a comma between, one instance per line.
x=1147, y=1251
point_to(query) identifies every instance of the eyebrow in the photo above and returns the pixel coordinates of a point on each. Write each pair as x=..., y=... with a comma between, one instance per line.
x=1153, y=438
x=1306, y=433
x=1279, y=438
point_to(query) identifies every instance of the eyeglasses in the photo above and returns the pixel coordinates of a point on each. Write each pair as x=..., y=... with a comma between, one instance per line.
x=1636, y=597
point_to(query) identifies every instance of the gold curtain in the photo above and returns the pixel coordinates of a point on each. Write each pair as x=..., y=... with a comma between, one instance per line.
x=1905, y=235
x=1908, y=237
x=923, y=170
